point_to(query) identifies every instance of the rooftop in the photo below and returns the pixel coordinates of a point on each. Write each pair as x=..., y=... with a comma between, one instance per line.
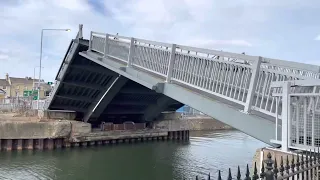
x=4, y=82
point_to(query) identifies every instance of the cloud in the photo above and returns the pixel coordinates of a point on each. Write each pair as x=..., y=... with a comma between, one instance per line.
x=317, y=38
x=218, y=43
x=4, y=57
x=269, y=28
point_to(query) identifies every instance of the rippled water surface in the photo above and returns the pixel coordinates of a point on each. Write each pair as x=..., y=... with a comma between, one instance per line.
x=206, y=152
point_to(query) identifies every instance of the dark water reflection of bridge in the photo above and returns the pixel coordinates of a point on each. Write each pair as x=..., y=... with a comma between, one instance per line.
x=206, y=152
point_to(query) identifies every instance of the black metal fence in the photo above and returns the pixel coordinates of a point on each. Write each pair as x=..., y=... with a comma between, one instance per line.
x=303, y=166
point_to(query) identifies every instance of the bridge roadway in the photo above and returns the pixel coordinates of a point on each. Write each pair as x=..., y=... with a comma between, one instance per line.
x=114, y=79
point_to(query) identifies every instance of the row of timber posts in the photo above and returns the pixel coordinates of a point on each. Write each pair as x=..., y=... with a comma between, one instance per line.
x=178, y=135
x=29, y=144
x=40, y=144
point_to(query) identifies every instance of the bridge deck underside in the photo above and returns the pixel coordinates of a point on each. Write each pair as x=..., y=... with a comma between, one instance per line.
x=98, y=94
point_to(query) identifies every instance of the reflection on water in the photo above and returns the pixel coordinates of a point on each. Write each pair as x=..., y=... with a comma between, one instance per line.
x=206, y=152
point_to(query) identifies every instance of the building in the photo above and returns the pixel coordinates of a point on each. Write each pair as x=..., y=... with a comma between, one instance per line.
x=187, y=110
x=17, y=87
x=4, y=88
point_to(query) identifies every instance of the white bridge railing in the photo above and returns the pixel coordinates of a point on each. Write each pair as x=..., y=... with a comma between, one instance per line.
x=238, y=78
x=299, y=127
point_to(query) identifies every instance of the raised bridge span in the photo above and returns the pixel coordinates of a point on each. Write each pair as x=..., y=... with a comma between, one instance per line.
x=116, y=78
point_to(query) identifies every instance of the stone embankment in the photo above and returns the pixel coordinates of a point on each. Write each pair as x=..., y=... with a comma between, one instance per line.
x=18, y=133
x=191, y=123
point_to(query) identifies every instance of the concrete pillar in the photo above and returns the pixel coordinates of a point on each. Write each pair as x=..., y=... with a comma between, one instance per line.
x=84, y=144
x=38, y=144
x=120, y=140
x=76, y=144
x=48, y=144
x=0, y=144
x=132, y=140
x=144, y=139
x=126, y=140
x=165, y=137
x=139, y=139
x=91, y=143
x=149, y=138
x=174, y=134
x=106, y=142
x=170, y=135
x=8, y=144
x=28, y=144
x=183, y=135
x=113, y=141
x=58, y=143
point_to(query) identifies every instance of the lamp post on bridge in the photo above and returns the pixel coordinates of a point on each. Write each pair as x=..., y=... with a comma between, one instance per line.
x=41, y=60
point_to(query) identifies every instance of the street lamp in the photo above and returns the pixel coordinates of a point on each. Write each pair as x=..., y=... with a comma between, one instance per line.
x=41, y=58
x=34, y=77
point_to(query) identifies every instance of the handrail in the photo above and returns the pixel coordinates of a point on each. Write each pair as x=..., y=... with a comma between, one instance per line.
x=236, y=77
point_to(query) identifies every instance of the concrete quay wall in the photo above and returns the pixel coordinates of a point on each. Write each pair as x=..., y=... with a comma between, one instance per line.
x=191, y=123
x=19, y=135
x=34, y=130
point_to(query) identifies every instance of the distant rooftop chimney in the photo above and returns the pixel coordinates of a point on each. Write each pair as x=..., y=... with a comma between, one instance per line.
x=7, y=77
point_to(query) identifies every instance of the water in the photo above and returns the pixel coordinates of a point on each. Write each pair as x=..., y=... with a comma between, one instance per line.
x=206, y=152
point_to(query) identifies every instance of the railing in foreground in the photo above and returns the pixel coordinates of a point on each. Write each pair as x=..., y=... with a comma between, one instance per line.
x=299, y=127
x=301, y=166
x=241, y=79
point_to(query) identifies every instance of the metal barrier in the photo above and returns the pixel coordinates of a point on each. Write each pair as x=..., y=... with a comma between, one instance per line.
x=20, y=104
x=298, y=127
x=305, y=166
x=237, y=78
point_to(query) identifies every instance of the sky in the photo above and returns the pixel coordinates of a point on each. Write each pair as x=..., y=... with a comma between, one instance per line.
x=281, y=29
